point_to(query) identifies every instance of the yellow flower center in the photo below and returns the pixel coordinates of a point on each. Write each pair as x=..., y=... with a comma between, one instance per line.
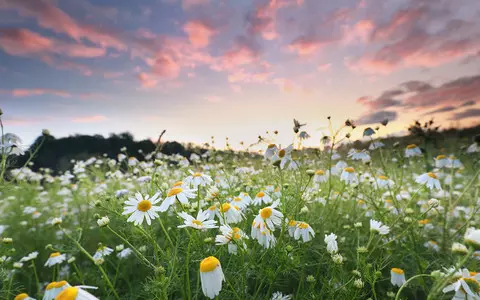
x=424, y=221
x=433, y=243
x=411, y=146
x=60, y=284
x=277, y=189
x=55, y=254
x=383, y=177
x=292, y=223
x=178, y=183
x=236, y=229
x=21, y=296
x=237, y=199
x=360, y=202
x=69, y=293
x=213, y=207
x=197, y=222
x=349, y=170
x=441, y=156
x=236, y=236
x=271, y=146
x=388, y=200
x=197, y=174
x=144, y=205
x=209, y=264
x=260, y=194
x=266, y=212
x=473, y=273
x=51, y=285
x=432, y=175
x=302, y=225
x=281, y=153
x=398, y=271
x=174, y=191
x=226, y=207
x=473, y=284
x=320, y=172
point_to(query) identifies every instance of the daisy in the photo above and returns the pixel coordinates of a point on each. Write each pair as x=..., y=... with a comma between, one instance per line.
x=305, y=231
x=29, y=257
x=180, y=193
x=441, y=161
x=23, y=296
x=473, y=148
x=271, y=150
x=465, y=283
x=320, y=176
x=269, y=216
x=201, y=222
x=102, y=251
x=397, y=277
x=211, y=276
x=284, y=156
x=55, y=259
x=262, y=198
x=359, y=155
x=198, y=179
x=229, y=213
x=265, y=238
x=383, y=181
x=453, y=162
x=212, y=211
x=349, y=176
x=472, y=238
x=292, y=226
x=432, y=245
x=54, y=288
x=331, y=241
x=430, y=180
x=231, y=237
x=242, y=200
x=124, y=253
x=75, y=293
x=412, y=150
x=142, y=208
x=376, y=145
x=376, y=226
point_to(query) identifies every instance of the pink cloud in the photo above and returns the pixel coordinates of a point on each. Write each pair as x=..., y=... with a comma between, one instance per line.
x=89, y=119
x=213, y=99
x=33, y=92
x=51, y=17
x=165, y=65
x=188, y=4
x=324, y=67
x=305, y=46
x=146, y=81
x=360, y=31
x=66, y=65
x=199, y=33
x=23, y=42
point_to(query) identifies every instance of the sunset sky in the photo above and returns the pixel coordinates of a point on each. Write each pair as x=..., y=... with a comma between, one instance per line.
x=235, y=68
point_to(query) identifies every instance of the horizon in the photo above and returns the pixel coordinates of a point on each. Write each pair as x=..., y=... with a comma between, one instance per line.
x=202, y=68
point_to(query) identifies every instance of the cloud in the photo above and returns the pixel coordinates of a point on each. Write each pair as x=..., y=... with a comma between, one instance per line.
x=213, y=99
x=305, y=45
x=189, y=4
x=199, y=32
x=89, y=119
x=474, y=112
x=146, y=80
x=440, y=110
x=324, y=67
x=377, y=117
x=19, y=121
x=53, y=18
x=468, y=103
x=385, y=100
x=35, y=92
x=23, y=42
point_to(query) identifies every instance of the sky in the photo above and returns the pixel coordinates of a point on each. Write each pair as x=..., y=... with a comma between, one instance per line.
x=236, y=68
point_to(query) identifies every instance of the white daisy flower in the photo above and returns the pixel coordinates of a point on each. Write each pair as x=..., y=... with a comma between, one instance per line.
x=211, y=276
x=320, y=176
x=304, y=231
x=453, y=162
x=231, y=237
x=23, y=296
x=348, y=176
x=29, y=257
x=76, y=293
x=269, y=216
x=271, y=150
x=198, y=179
x=383, y=182
x=201, y=222
x=430, y=180
x=359, y=155
x=266, y=238
x=142, y=208
x=465, y=282
x=243, y=200
x=376, y=226
x=412, y=150
x=280, y=296
x=441, y=161
x=177, y=193
x=124, y=253
x=284, y=156
x=228, y=213
x=397, y=277
x=55, y=259
x=102, y=251
x=262, y=198
x=54, y=288
x=376, y=145
x=292, y=226
x=472, y=238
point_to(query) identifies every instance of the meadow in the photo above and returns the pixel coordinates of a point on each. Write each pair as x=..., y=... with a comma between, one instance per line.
x=377, y=220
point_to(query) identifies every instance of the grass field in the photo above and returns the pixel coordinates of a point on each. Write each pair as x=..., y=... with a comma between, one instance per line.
x=387, y=221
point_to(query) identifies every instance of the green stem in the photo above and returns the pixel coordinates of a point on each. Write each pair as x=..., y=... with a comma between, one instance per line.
x=36, y=277
x=137, y=252
x=397, y=297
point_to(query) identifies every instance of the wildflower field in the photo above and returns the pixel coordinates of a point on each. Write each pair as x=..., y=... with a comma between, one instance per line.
x=379, y=220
